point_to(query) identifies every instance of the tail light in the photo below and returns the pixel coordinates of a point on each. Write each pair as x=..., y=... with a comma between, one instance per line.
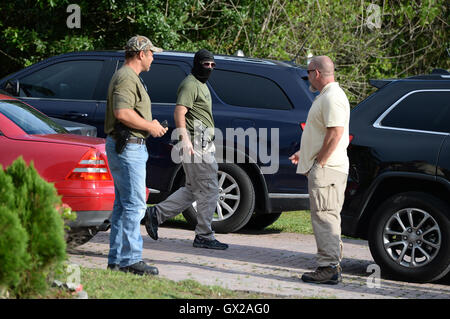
x=92, y=167
x=302, y=125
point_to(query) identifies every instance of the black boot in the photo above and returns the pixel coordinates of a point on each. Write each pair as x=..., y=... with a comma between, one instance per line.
x=151, y=223
x=140, y=268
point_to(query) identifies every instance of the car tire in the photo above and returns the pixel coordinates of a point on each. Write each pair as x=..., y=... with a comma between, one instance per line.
x=79, y=236
x=409, y=237
x=236, y=200
x=261, y=221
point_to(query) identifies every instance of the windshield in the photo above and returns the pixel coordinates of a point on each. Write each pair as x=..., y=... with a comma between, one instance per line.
x=28, y=119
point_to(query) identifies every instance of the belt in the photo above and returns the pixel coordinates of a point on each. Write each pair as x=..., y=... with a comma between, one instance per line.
x=136, y=140
x=131, y=139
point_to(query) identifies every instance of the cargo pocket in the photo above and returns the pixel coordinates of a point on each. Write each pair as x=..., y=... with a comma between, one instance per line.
x=324, y=198
x=206, y=185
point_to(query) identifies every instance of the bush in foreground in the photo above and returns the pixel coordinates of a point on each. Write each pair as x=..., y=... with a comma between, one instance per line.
x=32, y=245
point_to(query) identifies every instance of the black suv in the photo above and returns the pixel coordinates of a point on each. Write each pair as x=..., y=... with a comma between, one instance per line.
x=258, y=106
x=398, y=193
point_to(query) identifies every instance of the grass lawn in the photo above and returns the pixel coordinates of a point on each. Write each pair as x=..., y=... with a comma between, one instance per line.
x=289, y=222
x=107, y=284
x=293, y=222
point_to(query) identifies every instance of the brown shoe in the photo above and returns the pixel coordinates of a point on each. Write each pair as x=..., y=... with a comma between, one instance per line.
x=330, y=275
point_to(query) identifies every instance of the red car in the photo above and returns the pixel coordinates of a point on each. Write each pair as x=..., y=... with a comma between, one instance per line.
x=75, y=164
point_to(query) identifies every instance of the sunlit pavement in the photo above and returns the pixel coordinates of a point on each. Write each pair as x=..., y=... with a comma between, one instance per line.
x=266, y=263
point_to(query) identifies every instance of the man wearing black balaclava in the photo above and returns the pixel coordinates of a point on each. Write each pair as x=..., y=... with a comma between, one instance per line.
x=195, y=127
x=200, y=71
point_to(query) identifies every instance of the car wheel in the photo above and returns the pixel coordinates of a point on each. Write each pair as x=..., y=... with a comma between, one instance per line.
x=236, y=200
x=261, y=221
x=79, y=236
x=409, y=237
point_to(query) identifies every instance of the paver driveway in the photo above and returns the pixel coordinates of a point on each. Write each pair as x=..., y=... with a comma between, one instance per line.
x=266, y=263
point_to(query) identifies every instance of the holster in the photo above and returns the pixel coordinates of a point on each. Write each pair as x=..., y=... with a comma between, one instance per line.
x=121, y=135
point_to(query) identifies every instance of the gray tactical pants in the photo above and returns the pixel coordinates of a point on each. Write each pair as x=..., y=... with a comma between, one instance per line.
x=201, y=186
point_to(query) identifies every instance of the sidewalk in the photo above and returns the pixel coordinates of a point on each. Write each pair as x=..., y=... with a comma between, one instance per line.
x=266, y=263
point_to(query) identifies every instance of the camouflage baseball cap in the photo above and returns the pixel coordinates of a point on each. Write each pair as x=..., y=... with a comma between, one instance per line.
x=141, y=43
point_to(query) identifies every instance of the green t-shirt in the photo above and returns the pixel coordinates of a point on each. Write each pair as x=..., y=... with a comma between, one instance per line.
x=127, y=91
x=196, y=97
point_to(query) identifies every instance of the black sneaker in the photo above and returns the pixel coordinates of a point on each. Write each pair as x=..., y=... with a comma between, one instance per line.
x=113, y=267
x=140, y=268
x=151, y=222
x=330, y=275
x=208, y=243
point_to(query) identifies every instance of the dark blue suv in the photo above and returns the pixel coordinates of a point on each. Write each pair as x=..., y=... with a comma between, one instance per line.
x=258, y=106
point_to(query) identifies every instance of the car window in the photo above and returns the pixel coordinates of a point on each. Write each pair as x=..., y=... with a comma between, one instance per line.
x=75, y=80
x=28, y=119
x=247, y=90
x=425, y=110
x=162, y=82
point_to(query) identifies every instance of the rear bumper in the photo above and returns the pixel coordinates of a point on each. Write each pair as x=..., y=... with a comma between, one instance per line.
x=92, y=205
x=90, y=218
x=89, y=198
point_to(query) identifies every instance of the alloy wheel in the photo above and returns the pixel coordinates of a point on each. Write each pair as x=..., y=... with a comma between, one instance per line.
x=412, y=237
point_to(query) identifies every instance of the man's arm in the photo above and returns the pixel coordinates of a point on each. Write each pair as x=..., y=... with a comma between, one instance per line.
x=130, y=118
x=180, y=122
x=330, y=142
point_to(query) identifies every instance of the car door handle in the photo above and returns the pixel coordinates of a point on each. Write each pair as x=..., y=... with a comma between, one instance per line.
x=75, y=115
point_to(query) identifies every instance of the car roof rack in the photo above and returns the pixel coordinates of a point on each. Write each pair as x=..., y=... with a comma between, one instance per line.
x=436, y=74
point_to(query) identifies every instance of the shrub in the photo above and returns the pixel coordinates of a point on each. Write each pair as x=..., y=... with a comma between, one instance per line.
x=13, y=240
x=35, y=202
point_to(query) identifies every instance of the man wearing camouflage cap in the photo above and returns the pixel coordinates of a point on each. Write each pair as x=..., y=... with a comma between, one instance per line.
x=128, y=113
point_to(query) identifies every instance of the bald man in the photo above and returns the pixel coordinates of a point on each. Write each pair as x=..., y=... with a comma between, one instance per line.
x=323, y=159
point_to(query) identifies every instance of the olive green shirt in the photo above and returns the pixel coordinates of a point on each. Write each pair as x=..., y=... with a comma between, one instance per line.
x=127, y=91
x=195, y=95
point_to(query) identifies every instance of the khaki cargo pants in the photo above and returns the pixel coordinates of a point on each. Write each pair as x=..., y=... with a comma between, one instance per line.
x=326, y=196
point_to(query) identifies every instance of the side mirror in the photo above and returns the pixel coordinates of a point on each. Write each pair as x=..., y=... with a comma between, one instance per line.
x=13, y=87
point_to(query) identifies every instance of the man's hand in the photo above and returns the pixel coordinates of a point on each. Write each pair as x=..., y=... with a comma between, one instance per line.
x=295, y=157
x=156, y=129
x=187, y=146
x=130, y=118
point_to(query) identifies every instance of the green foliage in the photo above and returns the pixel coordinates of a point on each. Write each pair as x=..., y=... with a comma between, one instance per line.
x=412, y=38
x=13, y=248
x=13, y=240
x=33, y=202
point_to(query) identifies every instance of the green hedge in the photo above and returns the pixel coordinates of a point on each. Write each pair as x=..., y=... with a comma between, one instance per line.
x=32, y=245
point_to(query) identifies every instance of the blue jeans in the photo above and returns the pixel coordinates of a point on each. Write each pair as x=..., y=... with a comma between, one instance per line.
x=129, y=173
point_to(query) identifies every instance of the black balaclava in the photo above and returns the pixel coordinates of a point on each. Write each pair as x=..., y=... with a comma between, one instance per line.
x=199, y=71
